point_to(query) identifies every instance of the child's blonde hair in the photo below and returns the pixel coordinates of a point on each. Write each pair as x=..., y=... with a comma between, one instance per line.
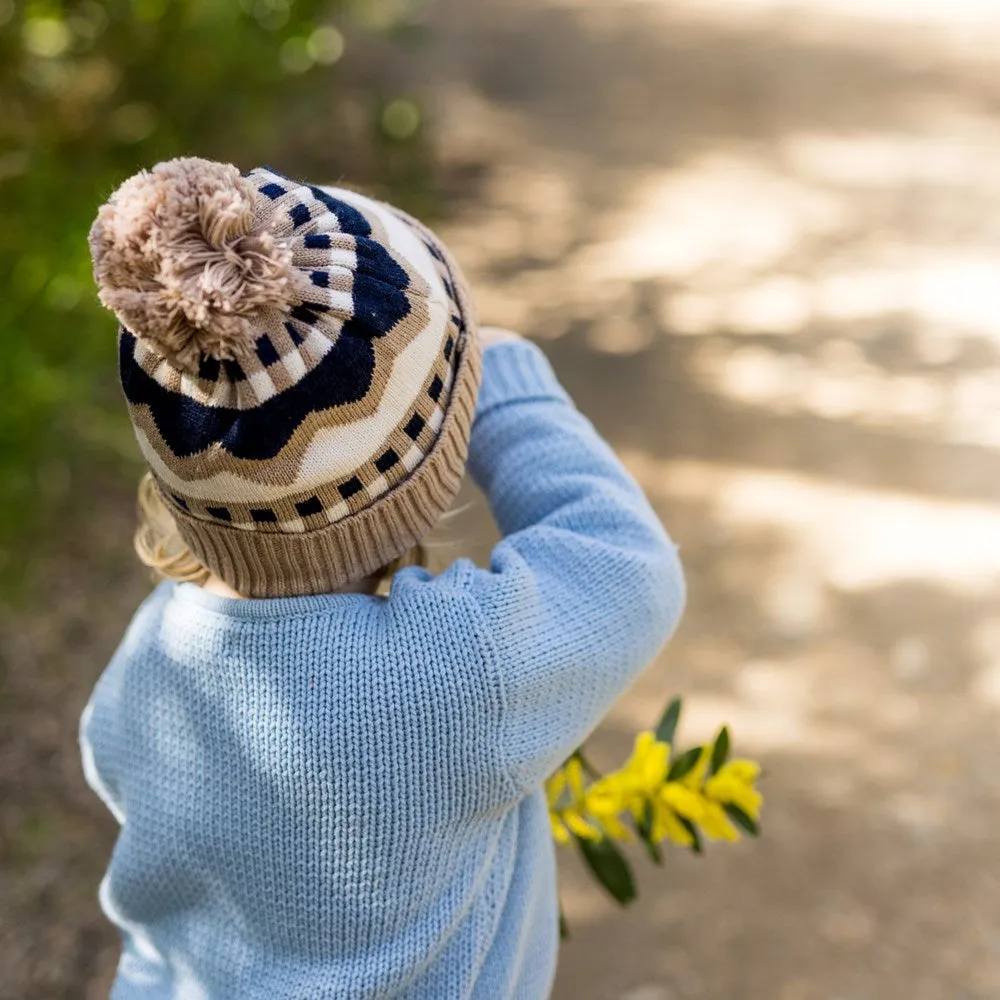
x=159, y=545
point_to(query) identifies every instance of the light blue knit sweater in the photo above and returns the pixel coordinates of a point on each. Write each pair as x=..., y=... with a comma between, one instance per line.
x=340, y=796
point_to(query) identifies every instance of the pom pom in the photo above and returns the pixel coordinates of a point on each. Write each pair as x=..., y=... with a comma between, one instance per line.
x=178, y=259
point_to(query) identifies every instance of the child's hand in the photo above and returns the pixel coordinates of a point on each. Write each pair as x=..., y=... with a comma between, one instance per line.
x=490, y=335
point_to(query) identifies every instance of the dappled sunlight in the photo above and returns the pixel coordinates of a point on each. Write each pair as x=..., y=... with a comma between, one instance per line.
x=752, y=243
x=718, y=216
x=959, y=290
x=954, y=25
x=956, y=153
x=755, y=244
x=760, y=240
x=952, y=293
x=951, y=15
x=829, y=694
x=847, y=537
x=777, y=303
x=841, y=384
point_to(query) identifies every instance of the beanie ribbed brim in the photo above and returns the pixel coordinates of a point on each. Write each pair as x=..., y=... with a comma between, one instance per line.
x=328, y=559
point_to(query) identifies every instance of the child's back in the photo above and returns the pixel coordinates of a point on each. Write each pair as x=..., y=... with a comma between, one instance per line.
x=339, y=795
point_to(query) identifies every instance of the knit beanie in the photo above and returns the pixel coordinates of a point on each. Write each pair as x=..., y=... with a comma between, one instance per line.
x=300, y=365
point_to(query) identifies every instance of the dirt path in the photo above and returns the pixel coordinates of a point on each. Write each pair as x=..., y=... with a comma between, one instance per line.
x=759, y=240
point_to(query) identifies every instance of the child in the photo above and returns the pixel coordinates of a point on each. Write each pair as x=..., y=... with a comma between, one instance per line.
x=324, y=793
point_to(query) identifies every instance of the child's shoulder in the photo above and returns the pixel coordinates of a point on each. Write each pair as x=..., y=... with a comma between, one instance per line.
x=148, y=613
x=453, y=582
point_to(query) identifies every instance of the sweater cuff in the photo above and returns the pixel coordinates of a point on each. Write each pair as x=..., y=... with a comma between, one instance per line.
x=516, y=371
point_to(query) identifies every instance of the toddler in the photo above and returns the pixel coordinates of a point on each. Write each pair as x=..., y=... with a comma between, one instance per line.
x=324, y=792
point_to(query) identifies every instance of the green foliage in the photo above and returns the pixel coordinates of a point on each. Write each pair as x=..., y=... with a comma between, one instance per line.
x=720, y=751
x=684, y=764
x=667, y=726
x=741, y=819
x=700, y=793
x=92, y=91
x=644, y=827
x=696, y=847
x=609, y=867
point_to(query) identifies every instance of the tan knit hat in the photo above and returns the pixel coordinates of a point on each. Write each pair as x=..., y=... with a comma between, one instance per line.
x=300, y=364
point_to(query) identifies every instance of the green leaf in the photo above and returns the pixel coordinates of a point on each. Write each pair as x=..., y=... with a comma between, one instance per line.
x=610, y=868
x=696, y=847
x=563, y=925
x=720, y=752
x=741, y=819
x=645, y=828
x=667, y=725
x=654, y=851
x=684, y=764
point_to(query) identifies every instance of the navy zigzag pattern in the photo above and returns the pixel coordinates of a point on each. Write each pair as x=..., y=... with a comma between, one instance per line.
x=188, y=427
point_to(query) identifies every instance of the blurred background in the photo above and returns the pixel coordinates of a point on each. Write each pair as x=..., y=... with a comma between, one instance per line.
x=760, y=241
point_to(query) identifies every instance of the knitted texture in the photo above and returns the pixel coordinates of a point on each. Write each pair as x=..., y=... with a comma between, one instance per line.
x=306, y=355
x=340, y=796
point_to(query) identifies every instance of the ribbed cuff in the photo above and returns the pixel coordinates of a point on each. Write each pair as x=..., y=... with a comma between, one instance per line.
x=514, y=371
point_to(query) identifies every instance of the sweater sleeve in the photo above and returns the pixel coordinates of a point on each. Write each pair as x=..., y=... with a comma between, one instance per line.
x=585, y=586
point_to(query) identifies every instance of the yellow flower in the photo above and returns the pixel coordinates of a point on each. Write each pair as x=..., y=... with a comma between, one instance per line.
x=695, y=778
x=673, y=800
x=734, y=784
x=683, y=801
x=553, y=793
x=716, y=824
x=605, y=800
x=666, y=826
x=606, y=797
x=554, y=787
x=574, y=778
x=646, y=770
x=574, y=819
x=559, y=832
x=570, y=818
x=635, y=783
x=640, y=787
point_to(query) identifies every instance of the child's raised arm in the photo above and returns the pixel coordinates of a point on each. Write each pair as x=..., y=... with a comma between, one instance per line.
x=585, y=586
